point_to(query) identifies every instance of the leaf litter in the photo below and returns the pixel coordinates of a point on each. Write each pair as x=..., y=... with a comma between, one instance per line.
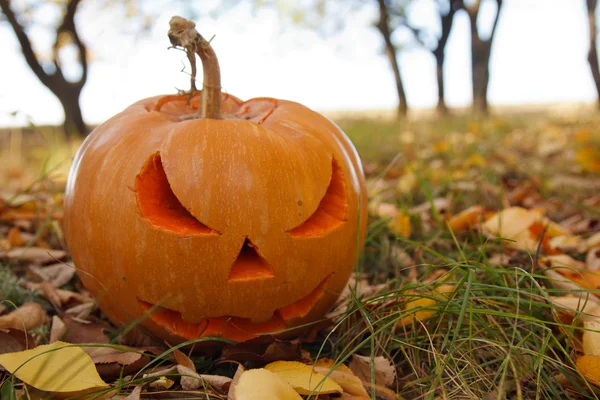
x=537, y=216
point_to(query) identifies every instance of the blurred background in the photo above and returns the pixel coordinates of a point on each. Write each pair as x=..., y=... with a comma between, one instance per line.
x=68, y=65
x=331, y=55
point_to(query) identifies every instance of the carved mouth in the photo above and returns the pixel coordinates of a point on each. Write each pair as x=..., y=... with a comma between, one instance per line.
x=235, y=328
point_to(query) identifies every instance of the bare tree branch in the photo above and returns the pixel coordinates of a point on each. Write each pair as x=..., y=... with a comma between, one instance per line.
x=25, y=43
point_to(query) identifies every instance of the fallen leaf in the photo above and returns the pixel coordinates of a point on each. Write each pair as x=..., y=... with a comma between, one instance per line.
x=303, y=378
x=342, y=375
x=400, y=225
x=561, y=260
x=58, y=329
x=523, y=227
x=13, y=340
x=114, y=361
x=385, y=373
x=592, y=259
x=81, y=311
x=591, y=338
x=183, y=360
x=466, y=219
x=589, y=366
x=423, y=306
x=262, y=384
x=35, y=255
x=589, y=159
x=57, y=274
x=90, y=332
x=585, y=307
x=14, y=237
x=29, y=316
x=58, y=367
x=162, y=383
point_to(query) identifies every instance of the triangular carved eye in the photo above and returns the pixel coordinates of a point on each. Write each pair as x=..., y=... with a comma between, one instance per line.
x=250, y=265
x=159, y=205
x=332, y=209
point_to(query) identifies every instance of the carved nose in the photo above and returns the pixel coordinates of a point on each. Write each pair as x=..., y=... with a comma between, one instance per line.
x=250, y=265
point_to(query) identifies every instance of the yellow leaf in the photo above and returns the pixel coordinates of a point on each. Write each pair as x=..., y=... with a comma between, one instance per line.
x=589, y=159
x=466, y=218
x=475, y=160
x=303, y=378
x=262, y=384
x=58, y=367
x=589, y=366
x=400, y=225
x=591, y=338
x=424, y=305
x=342, y=375
x=441, y=146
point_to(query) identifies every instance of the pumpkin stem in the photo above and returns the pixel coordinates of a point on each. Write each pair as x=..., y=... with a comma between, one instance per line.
x=183, y=33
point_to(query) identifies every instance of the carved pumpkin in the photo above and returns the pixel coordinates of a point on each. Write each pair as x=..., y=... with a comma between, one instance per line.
x=228, y=227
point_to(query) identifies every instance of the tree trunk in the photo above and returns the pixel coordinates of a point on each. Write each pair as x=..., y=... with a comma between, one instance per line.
x=390, y=50
x=66, y=91
x=69, y=99
x=441, y=108
x=480, y=56
x=593, y=52
x=481, y=76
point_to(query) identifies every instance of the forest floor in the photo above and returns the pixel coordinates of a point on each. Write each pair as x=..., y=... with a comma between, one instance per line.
x=479, y=278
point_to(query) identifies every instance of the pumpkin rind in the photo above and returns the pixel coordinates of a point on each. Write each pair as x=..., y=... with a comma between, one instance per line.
x=249, y=180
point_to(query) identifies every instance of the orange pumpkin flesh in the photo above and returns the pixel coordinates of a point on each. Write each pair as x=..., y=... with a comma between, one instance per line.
x=243, y=220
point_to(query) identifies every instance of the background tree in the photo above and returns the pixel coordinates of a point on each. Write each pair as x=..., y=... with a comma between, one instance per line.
x=386, y=26
x=593, y=50
x=52, y=74
x=436, y=42
x=481, y=49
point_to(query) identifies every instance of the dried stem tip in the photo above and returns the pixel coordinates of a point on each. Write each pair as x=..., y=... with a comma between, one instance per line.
x=183, y=33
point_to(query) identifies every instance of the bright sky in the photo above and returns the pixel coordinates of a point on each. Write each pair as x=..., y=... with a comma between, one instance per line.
x=539, y=56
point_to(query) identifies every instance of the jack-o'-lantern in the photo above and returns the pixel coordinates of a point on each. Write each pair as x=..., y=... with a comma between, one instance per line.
x=244, y=219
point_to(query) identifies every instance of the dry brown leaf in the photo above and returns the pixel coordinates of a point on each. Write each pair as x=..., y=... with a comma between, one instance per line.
x=35, y=255
x=79, y=332
x=190, y=380
x=58, y=297
x=13, y=340
x=593, y=241
x=112, y=362
x=183, y=360
x=58, y=330
x=384, y=370
x=591, y=338
x=57, y=274
x=592, y=259
x=586, y=307
x=342, y=375
x=236, y=378
x=28, y=316
x=162, y=383
x=15, y=239
x=561, y=260
x=466, y=219
x=81, y=311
